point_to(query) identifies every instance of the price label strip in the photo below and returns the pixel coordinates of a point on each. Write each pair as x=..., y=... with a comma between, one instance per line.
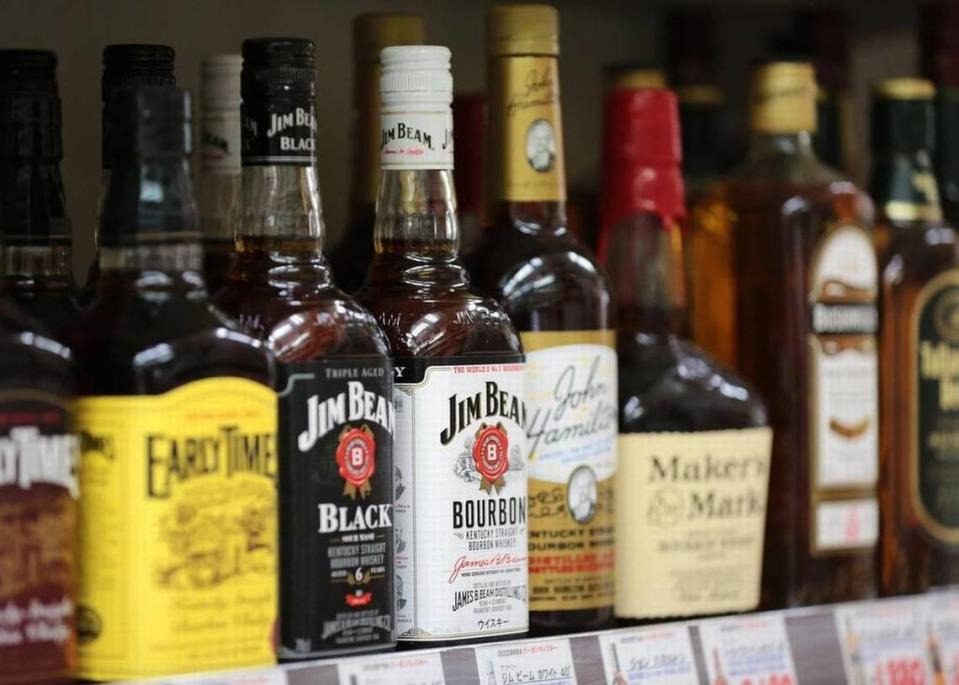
x=414, y=669
x=882, y=643
x=749, y=650
x=527, y=663
x=651, y=656
x=942, y=637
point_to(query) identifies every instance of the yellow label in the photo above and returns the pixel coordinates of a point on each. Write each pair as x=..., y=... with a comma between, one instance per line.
x=525, y=122
x=178, y=530
x=690, y=515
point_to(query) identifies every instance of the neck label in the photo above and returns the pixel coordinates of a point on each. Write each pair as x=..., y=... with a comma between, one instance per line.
x=220, y=143
x=279, y=133
x=416, y=140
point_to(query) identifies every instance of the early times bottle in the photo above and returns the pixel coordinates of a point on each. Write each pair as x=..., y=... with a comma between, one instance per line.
x=334, y=377
x=460, y=449
x=558, y=298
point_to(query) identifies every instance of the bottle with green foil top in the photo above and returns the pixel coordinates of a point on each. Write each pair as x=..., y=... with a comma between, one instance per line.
x=559, y=299
x=919, y=347
x=177, y=421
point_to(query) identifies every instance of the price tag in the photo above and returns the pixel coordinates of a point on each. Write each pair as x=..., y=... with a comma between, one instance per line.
x=942, y=637
x=415, y=669
x=651, y=656
x=543, y=663
x=882, y=643
x=749, y=650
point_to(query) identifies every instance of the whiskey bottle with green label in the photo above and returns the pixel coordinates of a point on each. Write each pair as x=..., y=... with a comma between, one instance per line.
x=559, y=299
x=919, y=346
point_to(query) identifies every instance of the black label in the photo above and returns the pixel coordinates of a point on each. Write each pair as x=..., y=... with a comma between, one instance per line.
x=336, y=505
x=278, y=132
x=937, y=413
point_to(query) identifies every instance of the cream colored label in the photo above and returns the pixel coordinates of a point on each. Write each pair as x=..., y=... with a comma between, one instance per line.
x=690, y=515
x=525, y=123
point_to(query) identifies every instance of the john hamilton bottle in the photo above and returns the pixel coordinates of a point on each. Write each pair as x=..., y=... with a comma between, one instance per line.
x=682, y=416
x=334, y=377
x=559, y=299
x=460, y=452
x=177, y=419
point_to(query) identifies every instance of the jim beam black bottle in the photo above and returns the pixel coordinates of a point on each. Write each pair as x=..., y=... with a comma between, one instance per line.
x=177, y=418
x=460, y=450
x=334, y=375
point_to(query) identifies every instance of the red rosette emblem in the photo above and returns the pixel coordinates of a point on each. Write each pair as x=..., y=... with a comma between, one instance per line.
x=491, y=455
x=356, y=458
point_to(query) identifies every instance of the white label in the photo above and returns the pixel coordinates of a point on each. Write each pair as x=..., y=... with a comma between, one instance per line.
x=460, y=520
x=543, y=663
x=220, y=143
x=653, y=656
x=942, y=638
x=882, y=643
x=847, y=524
x=748, y=650
x=415, y=669
x=416, y=140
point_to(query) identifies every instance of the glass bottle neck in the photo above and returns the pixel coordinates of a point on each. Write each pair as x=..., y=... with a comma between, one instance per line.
x=52, y=261
x=416, y=215
x=904, y=187
x=281, y=212
x=219, y=201
x=793, y=143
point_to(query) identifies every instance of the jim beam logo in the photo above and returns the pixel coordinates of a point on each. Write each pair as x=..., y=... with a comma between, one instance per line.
x=356, y=460
x=491, y=456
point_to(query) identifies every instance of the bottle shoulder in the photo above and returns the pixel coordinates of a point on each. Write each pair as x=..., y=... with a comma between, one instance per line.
x=30, y=358
x=918, y=253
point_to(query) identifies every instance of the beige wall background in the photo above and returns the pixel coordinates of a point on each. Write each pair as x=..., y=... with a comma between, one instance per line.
x=593, y=33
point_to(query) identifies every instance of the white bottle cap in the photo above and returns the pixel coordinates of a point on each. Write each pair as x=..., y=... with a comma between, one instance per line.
x=220, y=75
x=416, y=75
x=220, y=120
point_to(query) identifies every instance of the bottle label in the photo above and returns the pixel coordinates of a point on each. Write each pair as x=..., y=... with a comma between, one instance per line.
x=416, y=140
x=336, y=505
x=571, y=440
x=278, y=133
x=935, y=409
x=525, y=120
x=220, y=143
x=690, y=516
x=460, y=498
x=844, y=396
x=178, y=530
x=38, y=522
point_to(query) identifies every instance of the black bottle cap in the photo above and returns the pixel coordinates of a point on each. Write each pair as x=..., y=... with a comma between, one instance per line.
x=28, y=71
x=149, y=121
x=30, y=119
x=136, y=65
x=903, y=117
x=278, y=68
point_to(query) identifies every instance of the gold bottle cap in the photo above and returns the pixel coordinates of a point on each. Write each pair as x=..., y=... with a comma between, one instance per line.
x=635, y=77
x=374, y=31
x=905, y=89
x=783, y=98
x=523, y=30
x=700, y=94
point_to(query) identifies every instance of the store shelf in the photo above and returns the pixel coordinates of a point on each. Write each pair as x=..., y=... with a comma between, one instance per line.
x=902, y=641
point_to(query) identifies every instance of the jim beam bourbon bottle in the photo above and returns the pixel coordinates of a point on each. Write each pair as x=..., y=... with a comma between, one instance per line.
x=557, y=296
x=36, y=252
x=373, y=31
x=807, y=324
x=177, y=421
x=460, y=450
x=219, y=193
x=694, y=444
x=919, y=346
x=334, y=376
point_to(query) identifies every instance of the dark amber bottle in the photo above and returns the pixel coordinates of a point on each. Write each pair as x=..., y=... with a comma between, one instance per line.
x=920, y=284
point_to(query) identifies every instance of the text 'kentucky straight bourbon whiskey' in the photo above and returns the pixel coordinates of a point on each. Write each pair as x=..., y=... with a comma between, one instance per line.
x=460, y=450
x=919, y=346
x=177, y=418
x=557, y=296
x=807, y=281
x=334, y=377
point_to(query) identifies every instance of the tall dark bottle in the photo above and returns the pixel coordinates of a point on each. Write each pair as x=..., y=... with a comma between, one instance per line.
x=679, y=410
x=919, y=339
x=459, y=452
x=34, y=228
x=125, y=65
x=558, y=298
x=334, y=376
x=177, y=415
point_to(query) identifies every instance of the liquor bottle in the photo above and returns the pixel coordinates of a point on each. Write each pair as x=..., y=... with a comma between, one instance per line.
x=177, y=418
x=673, y=400
x=353, y=253
x=220, y=187
x=920, y=279
x=334, y=376
x=124, y=66
x=459, y=450
x=469, y=175
x=558, y=298
x=807, y=322
x=34, y=227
